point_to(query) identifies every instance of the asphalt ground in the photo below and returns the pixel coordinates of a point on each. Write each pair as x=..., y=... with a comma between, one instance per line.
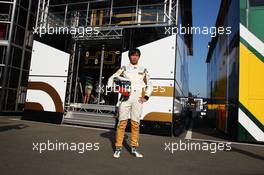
x=24, y=151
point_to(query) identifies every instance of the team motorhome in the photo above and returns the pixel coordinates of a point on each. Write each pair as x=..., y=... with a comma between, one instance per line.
x=57, y=78
x=235, y=66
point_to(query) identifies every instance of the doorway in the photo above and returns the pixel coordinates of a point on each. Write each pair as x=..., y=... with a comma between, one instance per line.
x=96, y=62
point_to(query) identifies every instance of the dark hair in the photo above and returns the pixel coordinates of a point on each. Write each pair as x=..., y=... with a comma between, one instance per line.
x=134, y=51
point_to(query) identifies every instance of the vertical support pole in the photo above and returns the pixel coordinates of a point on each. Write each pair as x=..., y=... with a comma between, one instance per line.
x=136, y=20
x=165, y=9
x=65, y=15
x=46, y=14
x=111, y=12
x=42, y=13
x=101, y=74
x=177, y=13
x=87, y=14
x=170, y=8
x=139, y=15
x=36, y=25
x=77, y=75
x=71, y=72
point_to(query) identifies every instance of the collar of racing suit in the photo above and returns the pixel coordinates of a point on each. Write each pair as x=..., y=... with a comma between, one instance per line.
x=134, y=66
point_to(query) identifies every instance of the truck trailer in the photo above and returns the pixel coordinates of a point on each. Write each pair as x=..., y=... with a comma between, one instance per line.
x=59, y=72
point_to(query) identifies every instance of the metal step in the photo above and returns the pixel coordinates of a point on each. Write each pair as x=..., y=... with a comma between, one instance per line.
x=89, y=119
x=92, y=106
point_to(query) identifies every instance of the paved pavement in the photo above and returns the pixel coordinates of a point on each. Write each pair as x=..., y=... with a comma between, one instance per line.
x=19, y=154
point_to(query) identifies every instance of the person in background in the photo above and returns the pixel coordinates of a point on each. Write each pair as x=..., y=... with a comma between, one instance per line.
x=88, y=87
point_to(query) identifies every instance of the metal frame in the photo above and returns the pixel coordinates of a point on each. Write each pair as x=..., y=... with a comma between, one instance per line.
x=8, y=50
x=114, y=30
x=77, y=107
x=17, y=90
x=70, y=76
x=42, y=14
x=23, y=54
x=105, y=33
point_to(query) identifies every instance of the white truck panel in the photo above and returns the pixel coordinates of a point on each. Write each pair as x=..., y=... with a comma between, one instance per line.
x=158, y=57
x=47, y=60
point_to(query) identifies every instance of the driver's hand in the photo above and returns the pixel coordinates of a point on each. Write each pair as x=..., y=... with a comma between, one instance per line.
x=141, y=100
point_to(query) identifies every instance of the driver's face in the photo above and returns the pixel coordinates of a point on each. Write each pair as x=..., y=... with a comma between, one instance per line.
x=134, y=58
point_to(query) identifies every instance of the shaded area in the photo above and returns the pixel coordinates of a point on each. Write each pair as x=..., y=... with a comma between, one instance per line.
x=12, y=127
x=40, y=116
x=248, y=153
x=111, y=136
x=17, y=156
x=205, y=128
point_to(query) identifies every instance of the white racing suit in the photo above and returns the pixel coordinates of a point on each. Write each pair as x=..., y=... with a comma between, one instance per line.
x=132, y=108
